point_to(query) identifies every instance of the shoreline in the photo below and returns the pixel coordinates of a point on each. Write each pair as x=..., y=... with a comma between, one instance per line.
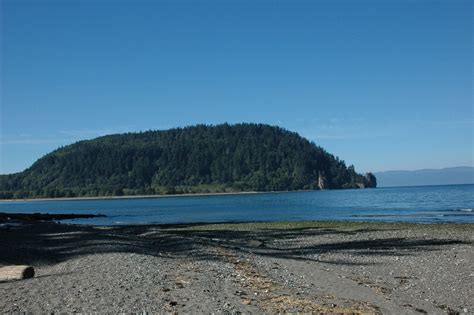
x=171, y=196
x=51, y=218
x=208, y=194
x=146, y=196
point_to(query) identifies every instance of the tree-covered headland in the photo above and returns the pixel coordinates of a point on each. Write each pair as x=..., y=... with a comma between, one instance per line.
x=196, y=159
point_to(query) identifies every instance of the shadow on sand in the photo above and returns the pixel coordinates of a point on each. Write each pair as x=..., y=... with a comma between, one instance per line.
x=48, y=243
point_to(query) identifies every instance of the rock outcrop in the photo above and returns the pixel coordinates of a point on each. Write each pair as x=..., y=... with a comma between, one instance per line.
x=322, y=181
x=371, y=180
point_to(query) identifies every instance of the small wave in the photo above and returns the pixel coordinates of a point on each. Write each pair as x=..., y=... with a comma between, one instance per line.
x=421, y=214
x=463, y=209
x=416, y=215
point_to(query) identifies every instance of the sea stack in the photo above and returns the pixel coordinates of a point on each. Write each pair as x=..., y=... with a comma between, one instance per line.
x=371, y=180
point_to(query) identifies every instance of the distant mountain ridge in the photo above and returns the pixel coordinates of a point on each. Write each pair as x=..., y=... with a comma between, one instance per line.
x=195, y=159
x=425, y=177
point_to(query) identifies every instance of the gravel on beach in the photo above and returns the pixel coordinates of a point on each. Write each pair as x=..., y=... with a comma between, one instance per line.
x=321, y=267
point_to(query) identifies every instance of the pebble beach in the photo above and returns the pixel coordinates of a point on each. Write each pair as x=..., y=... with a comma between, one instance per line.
x=320, y=267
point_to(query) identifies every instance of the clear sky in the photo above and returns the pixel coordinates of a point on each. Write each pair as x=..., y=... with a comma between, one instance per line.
x=382, y=84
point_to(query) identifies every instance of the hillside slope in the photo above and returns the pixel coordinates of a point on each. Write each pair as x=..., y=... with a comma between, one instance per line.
x=241, y=157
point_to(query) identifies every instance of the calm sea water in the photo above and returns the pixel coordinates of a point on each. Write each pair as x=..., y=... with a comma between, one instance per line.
x=454, y=203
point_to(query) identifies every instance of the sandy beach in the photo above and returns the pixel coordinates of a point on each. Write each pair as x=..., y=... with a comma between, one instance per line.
x=327, y=267
x=144, y=196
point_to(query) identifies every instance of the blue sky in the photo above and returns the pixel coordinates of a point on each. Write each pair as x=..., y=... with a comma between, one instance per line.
x=382, y=84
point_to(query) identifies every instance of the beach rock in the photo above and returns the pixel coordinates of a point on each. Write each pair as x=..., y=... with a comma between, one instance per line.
x=255, y=243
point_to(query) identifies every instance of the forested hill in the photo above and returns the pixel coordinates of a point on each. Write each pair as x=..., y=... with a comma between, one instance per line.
x=222, y=158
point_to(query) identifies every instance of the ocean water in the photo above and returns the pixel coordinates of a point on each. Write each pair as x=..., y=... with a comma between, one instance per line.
x=424, y=204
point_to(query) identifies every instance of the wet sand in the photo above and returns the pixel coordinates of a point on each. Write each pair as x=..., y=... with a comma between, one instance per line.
x=329, y=267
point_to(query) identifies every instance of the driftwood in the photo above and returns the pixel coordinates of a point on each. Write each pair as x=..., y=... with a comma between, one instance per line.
x=19, y=272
